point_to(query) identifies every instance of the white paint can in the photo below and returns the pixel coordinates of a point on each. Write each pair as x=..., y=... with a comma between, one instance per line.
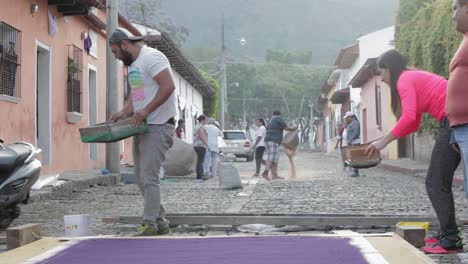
x=76, y=225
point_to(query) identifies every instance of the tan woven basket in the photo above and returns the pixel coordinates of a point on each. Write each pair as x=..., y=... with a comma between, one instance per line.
x=357, y=158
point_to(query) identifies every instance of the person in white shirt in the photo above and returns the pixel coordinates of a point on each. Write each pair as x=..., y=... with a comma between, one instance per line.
x=152, y=101
x=259, y=145
x=211, y=157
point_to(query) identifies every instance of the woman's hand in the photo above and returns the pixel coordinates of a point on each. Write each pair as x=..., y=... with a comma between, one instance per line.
x=373, y=150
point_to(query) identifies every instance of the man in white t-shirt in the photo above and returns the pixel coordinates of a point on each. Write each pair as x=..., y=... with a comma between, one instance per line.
x=259, y=145
x=212, y=153
x=152, y=100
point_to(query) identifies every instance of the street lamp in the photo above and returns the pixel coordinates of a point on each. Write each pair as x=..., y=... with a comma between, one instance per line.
x=223, y=81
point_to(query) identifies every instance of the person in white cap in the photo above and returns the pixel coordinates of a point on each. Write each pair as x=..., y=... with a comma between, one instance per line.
x=211, y=156
x=353, y=133
x=152, y=101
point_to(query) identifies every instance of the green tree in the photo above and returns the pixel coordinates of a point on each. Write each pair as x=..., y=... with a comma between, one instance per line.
x=287, y=57
x=211, y=105
x=427, y=37
x=270, y=86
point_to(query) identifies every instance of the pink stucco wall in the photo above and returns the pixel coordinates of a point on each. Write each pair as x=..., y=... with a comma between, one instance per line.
x=368, y=105
x=18, y=119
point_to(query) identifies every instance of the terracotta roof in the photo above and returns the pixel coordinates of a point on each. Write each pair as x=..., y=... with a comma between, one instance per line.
x=340, y=96
x=180, y=63
x=347, y=56
x=164, y=44
x=366, y=72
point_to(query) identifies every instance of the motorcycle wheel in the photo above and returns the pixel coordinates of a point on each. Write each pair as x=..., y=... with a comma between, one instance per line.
x=10, y=214
x=5, y=223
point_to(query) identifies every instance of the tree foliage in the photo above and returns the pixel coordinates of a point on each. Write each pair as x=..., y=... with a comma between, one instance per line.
x=426, y=35
x=269, y=87
x=281, y=56
x=211, y=105
x=151, y=14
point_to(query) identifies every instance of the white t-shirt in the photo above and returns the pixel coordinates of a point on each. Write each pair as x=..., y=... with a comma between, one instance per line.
x=150, y=62
x=212, y=133
x=261, y=132
x=344, y=142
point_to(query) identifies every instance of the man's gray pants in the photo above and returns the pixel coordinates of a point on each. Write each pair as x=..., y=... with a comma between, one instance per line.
x=149, y=152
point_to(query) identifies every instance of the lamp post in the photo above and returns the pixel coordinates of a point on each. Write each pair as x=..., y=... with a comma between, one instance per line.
x=223, y=80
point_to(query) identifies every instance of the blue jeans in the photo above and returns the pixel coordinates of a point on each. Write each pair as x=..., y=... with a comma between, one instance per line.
x=210, y=163
x=460, y=135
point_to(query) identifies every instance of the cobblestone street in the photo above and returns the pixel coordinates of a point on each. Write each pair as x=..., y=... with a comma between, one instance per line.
x=320, y=187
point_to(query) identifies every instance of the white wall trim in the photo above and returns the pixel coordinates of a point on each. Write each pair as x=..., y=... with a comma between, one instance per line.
x=7, y=98
x=49, y=49
x=92, y=67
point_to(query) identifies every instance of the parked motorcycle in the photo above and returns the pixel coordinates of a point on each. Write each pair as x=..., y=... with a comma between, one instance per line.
x=19, y=170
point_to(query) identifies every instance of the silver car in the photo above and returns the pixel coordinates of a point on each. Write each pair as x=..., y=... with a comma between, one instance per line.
x=238, y=144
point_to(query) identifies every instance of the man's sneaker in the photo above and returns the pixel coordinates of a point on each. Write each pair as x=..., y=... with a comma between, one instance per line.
x=163, y=229
x=147, y=230
x=277, y=178
x=445, y=246
x=256, y=175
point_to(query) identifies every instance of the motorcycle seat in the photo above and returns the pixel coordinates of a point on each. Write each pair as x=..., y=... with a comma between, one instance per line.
x=13, y=156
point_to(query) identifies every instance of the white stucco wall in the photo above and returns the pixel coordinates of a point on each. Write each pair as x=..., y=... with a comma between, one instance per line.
x=191, y=100
x=371, y=45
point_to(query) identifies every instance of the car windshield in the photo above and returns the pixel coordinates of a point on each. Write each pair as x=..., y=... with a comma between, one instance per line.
x=234, y=135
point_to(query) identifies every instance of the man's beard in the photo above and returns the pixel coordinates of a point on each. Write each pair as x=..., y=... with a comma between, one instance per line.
x=127, y=58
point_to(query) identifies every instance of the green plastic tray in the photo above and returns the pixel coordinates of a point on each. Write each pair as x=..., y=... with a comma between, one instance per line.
x=109, y=132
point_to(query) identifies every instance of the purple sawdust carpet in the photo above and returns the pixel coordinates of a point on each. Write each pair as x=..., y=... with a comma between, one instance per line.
x=232, y=250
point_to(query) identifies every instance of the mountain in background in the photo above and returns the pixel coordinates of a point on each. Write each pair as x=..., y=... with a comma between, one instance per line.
x=320, y=26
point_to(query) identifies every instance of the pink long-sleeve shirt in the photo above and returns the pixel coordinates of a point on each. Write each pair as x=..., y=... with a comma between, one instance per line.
x=420, y=92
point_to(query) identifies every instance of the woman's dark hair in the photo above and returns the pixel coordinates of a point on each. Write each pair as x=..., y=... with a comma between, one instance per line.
x=261, y=120
x=396, y=64
x=276, y=112
x=180, y=122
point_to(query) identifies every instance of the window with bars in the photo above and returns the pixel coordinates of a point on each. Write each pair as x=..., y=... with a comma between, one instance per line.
x=74, y=69
x=9, y=60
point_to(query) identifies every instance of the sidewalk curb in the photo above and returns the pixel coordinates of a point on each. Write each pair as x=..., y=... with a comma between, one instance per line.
x=400, y=169
x=74, y=182
x=457, y=179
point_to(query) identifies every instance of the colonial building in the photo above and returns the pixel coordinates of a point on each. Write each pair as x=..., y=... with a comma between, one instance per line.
x=53, y=78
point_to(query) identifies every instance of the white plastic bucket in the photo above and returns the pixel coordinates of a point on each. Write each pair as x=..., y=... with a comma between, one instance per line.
x=76, y=225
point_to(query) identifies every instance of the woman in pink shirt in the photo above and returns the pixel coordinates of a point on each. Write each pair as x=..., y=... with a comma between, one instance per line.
x=413, y=93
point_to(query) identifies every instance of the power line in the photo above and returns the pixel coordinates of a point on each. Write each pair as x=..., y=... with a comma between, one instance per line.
x=266, y=63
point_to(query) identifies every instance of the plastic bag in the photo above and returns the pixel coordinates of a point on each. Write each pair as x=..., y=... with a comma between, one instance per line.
x=180, y=160
x=229, y=177
x=291, y=140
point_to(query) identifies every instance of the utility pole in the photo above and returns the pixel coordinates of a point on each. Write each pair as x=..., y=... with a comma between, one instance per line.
x=243, y=103
x=222, y=101
x=112, y=96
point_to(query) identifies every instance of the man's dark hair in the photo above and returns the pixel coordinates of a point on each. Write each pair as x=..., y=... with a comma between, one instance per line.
x=462, y=2
x=276, y=112
x=180, y=122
